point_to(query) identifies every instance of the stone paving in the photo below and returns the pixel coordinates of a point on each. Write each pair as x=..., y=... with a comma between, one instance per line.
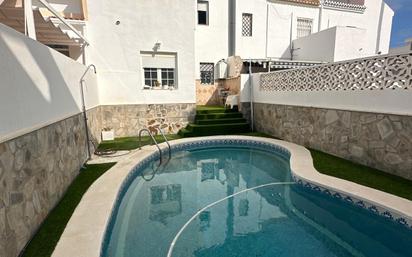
x=382, y=141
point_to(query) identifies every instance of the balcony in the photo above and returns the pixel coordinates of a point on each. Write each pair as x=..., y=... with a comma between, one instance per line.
x=350, y=5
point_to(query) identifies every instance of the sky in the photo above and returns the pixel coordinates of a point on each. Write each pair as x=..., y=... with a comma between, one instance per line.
x=402, y=21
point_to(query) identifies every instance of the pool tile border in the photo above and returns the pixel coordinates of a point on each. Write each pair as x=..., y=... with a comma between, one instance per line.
x=100, y=203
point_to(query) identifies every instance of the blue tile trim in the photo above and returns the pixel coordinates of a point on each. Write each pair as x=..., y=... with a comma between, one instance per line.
x=352, y=200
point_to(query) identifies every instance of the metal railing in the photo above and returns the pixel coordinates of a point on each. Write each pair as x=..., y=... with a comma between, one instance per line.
x=167, y=142
x=154, y=140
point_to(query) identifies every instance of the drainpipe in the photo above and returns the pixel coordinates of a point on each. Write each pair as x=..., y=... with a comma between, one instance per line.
x=291, y=36
x=89, y=154
x=267, y=30
x=320, y=15
x=232, y=27
x=251, y=96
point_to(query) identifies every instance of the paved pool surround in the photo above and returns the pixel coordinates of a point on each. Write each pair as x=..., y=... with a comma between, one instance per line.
x=381, y=141
x=86, y=228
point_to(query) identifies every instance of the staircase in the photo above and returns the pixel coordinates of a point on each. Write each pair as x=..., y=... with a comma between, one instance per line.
x=215, y=120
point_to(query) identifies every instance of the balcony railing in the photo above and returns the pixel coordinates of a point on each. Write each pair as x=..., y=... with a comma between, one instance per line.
x=353, y=5
x=307, y=2
x=386, y=72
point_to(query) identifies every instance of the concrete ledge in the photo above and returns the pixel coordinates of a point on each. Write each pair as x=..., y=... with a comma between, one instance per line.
x=85, y=231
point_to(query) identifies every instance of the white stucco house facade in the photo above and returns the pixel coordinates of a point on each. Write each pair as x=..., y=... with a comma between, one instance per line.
x=167, y=45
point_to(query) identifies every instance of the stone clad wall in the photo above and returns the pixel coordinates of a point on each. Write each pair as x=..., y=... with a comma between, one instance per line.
x=127, y=120
x=35, y=171
x=382, y=141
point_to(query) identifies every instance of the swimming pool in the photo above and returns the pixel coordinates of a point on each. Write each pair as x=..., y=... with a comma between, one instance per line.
x=234, y=198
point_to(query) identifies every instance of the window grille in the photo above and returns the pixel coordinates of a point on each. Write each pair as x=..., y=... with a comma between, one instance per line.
x=304, y=27
x=247, y=24
x=207, y=71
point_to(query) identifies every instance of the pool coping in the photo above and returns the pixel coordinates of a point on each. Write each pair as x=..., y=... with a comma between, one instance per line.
x=85, y=231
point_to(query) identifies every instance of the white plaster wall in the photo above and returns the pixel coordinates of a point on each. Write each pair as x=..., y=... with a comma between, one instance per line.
x=369, y=20
x=378, y=101
x=212, y=41
x=319, y=46
x=350, y=43
x=282, y=27
x=115, y=49
x=331, y=45
x=38, y=86
x=254, y=46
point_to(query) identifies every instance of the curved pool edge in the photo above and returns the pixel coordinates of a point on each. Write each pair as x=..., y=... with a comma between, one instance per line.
x=85, y=231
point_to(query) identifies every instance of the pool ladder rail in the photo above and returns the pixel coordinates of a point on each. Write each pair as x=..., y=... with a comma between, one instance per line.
x=154, y=140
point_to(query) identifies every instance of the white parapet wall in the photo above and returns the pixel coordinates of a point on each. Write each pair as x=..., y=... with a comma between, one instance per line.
x=39, y=86
x=332, y=45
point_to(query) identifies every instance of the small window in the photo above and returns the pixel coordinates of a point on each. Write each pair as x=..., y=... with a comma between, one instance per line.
x=202, y=12
x=159, y=70
x=247, y=24
x=207, y=71
x=304, y=27
x=150, y=77
x=168, y=77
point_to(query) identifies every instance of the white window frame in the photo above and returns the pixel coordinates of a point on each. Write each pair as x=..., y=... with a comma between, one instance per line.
x=159, y=69
x=207, y=12
x=300, y=30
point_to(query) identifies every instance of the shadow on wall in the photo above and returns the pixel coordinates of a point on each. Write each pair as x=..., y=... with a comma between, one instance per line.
x=34, y=167
x=215, y=94
x=34, y=90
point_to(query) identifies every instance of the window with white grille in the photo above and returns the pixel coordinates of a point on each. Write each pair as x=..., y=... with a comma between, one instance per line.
x=304, y=27
x=247, y=24
x=207, y=71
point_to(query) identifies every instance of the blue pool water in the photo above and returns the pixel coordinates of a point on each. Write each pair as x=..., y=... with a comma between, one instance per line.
x=267, y=216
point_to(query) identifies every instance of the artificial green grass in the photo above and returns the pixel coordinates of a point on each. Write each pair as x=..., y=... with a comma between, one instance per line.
x=130, y=143
x=360, y=174
x=46, y=238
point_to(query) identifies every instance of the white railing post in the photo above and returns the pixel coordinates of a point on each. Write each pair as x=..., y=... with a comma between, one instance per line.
x=29, y=19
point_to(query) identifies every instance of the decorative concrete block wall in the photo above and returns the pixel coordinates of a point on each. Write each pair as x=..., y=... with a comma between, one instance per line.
x=35, y=171
x=382, y=141
x=127, y=120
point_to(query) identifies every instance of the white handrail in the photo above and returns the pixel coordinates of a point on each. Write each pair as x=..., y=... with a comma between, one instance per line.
x=58, y=16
